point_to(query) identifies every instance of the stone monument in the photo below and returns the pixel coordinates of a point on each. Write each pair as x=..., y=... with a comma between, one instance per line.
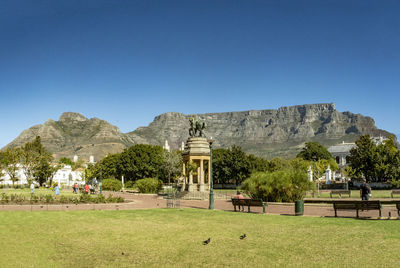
x=196, y=159
x=328, y=175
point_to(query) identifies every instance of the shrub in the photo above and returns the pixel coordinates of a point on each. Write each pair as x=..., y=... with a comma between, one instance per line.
x=129, y=184
x=48, y=198
x=64, y=199
x=112, y=184
x=34, y=199
x=279, y=186
x=149, y=185
x=112, y=199
x=99, y=199
x=4, y=198
x=85, y=198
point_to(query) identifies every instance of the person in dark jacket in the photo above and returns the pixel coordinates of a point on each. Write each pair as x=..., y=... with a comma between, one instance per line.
x=365, y=190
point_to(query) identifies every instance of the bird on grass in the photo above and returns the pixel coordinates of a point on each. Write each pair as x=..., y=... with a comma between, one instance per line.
x=206, y=242
x=243, y=236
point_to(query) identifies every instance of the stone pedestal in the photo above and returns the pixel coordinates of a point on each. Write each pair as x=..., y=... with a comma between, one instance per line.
x=192, y=187
x=202, y=188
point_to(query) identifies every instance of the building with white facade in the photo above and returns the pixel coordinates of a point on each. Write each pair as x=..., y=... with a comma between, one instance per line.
x=64, y=176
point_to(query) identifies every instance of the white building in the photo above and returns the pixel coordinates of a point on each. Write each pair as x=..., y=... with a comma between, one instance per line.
x=341, y=152
x=64, y=176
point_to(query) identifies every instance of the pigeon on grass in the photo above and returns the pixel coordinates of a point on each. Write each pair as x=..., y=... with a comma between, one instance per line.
x=206, y=242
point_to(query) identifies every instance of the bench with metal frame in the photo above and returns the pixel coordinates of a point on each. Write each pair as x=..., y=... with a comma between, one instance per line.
x=357, y=205
x=395, y=191
x=340, y=192
x=249, y=203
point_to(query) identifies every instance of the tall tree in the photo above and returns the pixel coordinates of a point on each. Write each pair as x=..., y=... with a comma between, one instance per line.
x=233, y=165
x=110, y=167
x=240, y=165
x=172, y=166
x=31, y=155
x=142, y=161
x=387, y=162
x=313, y=151
x=363, y=158
x=11, y=158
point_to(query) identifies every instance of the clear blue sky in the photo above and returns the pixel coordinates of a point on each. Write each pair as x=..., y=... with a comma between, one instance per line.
x=128, y=61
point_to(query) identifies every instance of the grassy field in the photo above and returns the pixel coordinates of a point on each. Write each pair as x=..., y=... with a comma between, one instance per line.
x=173, y=238
x=43, y=191
x=356, y=194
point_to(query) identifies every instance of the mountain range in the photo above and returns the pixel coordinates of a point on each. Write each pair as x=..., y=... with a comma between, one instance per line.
x=268, y=133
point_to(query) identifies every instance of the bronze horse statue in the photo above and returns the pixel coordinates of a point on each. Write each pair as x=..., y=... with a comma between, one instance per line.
x=196, y=126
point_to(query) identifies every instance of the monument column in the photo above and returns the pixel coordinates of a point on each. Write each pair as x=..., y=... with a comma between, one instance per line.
x=184, y=174
x=201, y=175
x=196, y=149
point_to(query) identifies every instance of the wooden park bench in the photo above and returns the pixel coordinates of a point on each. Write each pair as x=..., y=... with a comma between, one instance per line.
x=249, y=203
x=398, y=208
x=340, y=192
x=357, y=205
x=395, y=191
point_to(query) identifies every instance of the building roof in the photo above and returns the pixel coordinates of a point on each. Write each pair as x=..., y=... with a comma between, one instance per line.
x=341, y=148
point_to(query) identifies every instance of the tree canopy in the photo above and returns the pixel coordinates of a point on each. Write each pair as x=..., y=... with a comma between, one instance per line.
x=313, y=151
x=234, y=166
x=374, y=162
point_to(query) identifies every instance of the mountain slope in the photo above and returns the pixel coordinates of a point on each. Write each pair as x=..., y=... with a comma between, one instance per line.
x=267, y=133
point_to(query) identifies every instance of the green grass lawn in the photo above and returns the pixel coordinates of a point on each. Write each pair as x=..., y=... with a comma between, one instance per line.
x=355, y=194
x=173, y=238
x=43, y=191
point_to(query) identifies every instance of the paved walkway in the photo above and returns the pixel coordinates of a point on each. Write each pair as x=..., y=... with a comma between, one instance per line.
x=141, y=201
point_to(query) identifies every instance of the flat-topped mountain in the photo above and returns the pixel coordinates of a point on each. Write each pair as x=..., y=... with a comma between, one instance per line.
x=267, y=133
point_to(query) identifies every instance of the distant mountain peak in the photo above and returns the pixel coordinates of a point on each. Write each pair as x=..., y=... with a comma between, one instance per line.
x=275, y=132
x=71, y=116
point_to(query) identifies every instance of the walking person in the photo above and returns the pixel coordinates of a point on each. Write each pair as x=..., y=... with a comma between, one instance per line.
x=86, y=189
x=57, y=190
x=365, y=190
x=32, y=188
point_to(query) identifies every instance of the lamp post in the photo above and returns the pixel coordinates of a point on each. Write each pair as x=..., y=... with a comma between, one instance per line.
x=101, y=181
x=211, y=199
x=314, y=158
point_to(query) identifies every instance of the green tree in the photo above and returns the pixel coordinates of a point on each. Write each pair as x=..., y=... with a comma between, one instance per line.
x=387, y=162
x=90, y=172
x=191, y=168
x=38, y=161
x=110, y=166
x=10, y=159
x=142, y=161
x=172, y=166
x=278, y=163
x=32, y=155
x=257, y=163
x=51, y=172
x=240, y=165
x=314, y=151
x=66, y=161
x=363, y=158
x=221, y=166
x=43, y=171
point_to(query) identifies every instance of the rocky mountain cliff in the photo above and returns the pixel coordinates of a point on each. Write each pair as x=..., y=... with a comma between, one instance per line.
x=267, y=133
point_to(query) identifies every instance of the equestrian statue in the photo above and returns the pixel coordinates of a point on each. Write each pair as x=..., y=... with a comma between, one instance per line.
x=196, y=128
